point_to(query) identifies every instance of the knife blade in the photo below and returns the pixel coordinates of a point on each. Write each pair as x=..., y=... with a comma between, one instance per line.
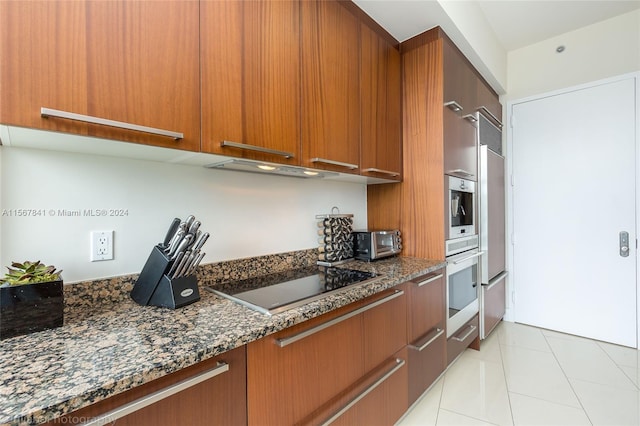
x=171, y=231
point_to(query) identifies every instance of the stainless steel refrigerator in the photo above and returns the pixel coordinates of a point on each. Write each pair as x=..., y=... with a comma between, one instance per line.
x=491, y=221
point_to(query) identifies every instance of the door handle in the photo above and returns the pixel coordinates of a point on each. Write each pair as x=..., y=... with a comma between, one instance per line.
x=624, y=244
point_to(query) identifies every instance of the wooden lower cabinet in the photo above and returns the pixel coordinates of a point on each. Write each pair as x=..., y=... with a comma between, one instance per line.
x=426, y=331
x=467, y=336
x=219, y=400
x=309, y=372
x=494, y=305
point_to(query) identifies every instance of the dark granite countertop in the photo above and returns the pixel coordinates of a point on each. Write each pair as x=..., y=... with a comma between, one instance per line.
x=111, y=344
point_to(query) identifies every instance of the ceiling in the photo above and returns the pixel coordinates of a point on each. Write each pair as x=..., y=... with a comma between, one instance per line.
x=516, y=23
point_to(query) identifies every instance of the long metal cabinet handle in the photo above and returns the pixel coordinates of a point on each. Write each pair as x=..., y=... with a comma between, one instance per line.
x=453, y=106
x=461, y=172
x=468, y=257
x=248, y=147
x=48, y=112
x=472, y=328
x=386, y=172
x=496, y=280
x=399, y=364
x=429, y=340
x=429, y=280
x=289, y=340
x=145, y=401
x=488, y=113
x=334, y=163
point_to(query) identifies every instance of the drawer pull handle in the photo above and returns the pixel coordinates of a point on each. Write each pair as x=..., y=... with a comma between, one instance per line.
x=145, y=401
x=48, y=112
x=399, y=363
x=289, y=340
x=334, y=163
x=420, y=347
x=255, y=148
x=386, y=172
x=461, y=172
x=429, y=280
x=486, y=112
x=453, y=106
x=472, y=328
x=468, y=257
x=496, y=280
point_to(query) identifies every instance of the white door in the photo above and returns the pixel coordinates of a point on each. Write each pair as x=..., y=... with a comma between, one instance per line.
x=574, y=170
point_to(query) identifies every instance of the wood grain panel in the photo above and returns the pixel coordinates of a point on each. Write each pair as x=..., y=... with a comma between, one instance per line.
x=220, y=400
x=485, y=96
x=426, y=366
x=330, y=85
x=43, y=47
x=385, y=330
x=287, y=384
x=380, y=94
x=426, y=306
x=250, y=53
x=423, y=189
x=143, y=68
x=494, y=305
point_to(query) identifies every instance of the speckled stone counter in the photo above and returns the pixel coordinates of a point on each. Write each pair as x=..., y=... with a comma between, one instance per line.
x=110, y=344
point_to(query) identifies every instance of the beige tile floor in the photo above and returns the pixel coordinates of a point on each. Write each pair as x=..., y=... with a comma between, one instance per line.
x=529, y=376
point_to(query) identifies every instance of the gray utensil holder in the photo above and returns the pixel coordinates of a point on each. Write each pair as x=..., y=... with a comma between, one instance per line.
x=154, y=287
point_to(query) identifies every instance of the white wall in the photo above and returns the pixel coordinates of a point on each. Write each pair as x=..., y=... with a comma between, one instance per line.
x=246, y=214
x=605, y=49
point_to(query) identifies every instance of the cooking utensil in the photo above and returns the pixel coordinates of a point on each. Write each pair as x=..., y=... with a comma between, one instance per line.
x=175, y=264
x=189, y=221
x=195, y=264
x=175, y=241
x=171, y=231
x=186, y=259
x=200, y=241
x=193, y=229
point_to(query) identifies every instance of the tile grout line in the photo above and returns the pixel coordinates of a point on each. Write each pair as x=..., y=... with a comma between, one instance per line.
x=566, y=377
x=504, y=375
x=616, y=364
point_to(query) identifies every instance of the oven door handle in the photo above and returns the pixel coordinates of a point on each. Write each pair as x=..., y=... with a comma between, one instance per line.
x=480, y=253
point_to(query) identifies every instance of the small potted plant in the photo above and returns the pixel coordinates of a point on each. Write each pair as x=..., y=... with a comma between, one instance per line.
x=31, y=299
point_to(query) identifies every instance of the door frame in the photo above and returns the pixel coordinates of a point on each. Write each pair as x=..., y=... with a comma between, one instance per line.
x=511, y=284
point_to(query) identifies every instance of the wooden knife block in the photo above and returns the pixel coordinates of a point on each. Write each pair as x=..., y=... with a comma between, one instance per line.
x=155, y=288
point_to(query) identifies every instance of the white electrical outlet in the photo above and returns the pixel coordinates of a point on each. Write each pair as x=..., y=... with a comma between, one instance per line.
x=101, y=245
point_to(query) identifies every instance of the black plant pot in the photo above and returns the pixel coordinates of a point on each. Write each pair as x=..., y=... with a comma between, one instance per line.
x=29, y=308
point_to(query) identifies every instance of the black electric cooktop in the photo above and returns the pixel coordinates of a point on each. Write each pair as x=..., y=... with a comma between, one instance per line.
x=274, y=293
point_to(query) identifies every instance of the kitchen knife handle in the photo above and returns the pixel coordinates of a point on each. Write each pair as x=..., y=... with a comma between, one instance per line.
x=48, y=112
x=140, y=403
x=171, y=231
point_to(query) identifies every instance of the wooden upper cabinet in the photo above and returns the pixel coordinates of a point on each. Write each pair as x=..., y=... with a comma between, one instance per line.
x=487, y=98
x=250, y=59
x=381, y=99
x=459, y=131
x=330, y=87
x=132, y=62
x=142, y=68
x=43, y=46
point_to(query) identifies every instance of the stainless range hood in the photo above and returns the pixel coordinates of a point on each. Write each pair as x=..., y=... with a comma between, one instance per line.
x=270, y=168
x=23, y=137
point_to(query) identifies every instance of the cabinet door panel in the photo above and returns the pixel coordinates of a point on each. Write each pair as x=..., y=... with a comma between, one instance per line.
x=250, y=52
x=426, y=304
x=381, y=144
x=220, y=400
x=288, y=383
x=385, y=329
x=142, y=68
x=44, y=49
x=330, y=86
x=494, y=304
x=488, y=99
